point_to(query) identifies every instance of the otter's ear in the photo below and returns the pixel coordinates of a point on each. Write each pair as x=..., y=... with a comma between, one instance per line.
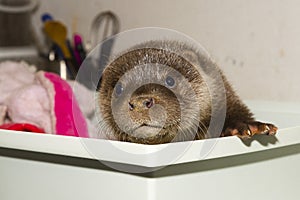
x=190, y=56
x=99, y=83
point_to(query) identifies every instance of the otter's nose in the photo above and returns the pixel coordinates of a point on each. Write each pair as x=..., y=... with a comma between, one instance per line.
x=141, y=103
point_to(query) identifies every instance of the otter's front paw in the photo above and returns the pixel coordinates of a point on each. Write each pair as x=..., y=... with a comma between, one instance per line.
x=248, y=129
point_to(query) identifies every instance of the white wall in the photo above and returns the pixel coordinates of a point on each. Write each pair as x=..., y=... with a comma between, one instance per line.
x=256, y=42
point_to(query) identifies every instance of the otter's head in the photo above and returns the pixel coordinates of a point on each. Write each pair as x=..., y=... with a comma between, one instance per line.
x=152, y=96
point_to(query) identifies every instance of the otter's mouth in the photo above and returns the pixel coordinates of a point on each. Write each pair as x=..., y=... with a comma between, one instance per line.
x=146, y=131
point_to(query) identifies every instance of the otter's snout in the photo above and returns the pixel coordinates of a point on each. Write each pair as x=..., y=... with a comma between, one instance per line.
x=141, y=103
x=151, y=103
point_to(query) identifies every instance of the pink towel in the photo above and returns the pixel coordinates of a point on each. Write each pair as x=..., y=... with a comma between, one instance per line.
x=67, y=118
x=43, y=100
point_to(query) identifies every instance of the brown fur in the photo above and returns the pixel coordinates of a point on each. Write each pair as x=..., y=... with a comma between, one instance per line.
x=134, y=123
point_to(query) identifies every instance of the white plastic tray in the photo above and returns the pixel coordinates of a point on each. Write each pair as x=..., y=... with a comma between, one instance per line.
x=285, y=116
x=36, y=166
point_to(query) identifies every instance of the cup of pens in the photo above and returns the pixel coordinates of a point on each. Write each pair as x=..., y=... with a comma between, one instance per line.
x=70, y=56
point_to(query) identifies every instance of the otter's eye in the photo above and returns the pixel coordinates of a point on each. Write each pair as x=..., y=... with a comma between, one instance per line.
x=119, y=89
x=170, y=82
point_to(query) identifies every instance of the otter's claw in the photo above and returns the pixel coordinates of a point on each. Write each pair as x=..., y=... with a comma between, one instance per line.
x=248, y=129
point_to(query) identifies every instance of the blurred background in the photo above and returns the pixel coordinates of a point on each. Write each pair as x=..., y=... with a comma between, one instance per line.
x=256, y=43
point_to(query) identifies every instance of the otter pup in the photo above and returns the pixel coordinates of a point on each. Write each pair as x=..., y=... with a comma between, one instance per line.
x=167, y=91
